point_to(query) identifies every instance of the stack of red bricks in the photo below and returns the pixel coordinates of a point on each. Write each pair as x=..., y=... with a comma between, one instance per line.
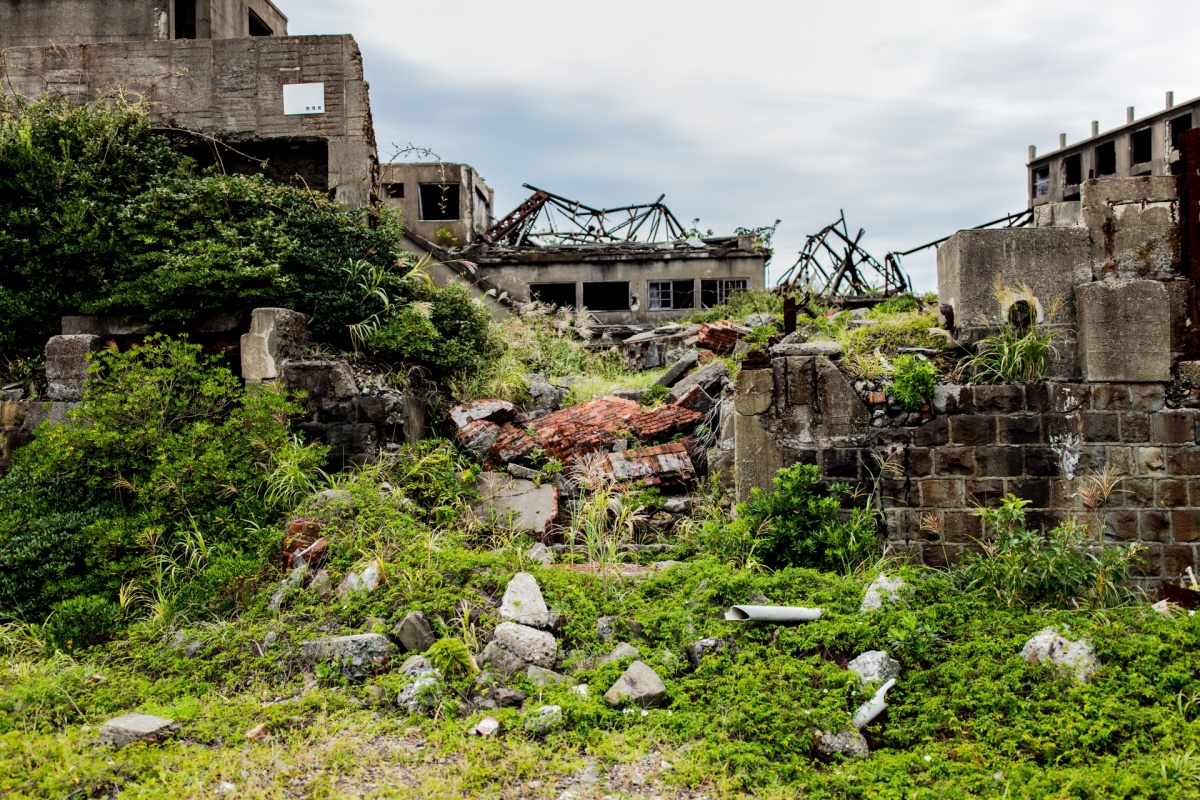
x=721, y=337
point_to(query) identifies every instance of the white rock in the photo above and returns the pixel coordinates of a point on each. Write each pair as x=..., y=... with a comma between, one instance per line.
x=539, y=553
x=848, y=743
x=623, y=650
x=544, y=719
x=882, y=588
x=874, y=665
x=1076, y=658
x=523, y=603
x=488, y=726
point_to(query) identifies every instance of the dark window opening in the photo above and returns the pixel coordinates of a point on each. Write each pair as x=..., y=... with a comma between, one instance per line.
x=560, y=295
x=606, y=296
x=1073, y=170
x=1106, y=158
x=1177, y=127
x=296, y=162
x=667, y=295
x=1021, y=316
x=1041, y=182
x=439, y=201
x=393, y=191
x=716, y=293
x=185, y=19
x=258, y=27
x=1140, y=148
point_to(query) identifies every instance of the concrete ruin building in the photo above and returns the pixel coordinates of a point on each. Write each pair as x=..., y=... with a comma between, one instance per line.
x=222, y=73
x=1146, y=147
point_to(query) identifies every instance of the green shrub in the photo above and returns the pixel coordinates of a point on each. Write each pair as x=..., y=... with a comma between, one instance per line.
x=796, y=525
x=452, y=658
x=1027, y=568
x=81, y=621
x=740, y=305
x=913, y=380
x=159, y=471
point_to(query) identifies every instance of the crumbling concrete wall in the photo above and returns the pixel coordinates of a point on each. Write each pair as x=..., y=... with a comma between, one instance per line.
x=230, y=90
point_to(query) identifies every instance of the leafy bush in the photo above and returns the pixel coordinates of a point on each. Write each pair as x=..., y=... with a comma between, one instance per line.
x=1027, y=568
x=797, y=526
x=913, y=380
x=740, y=305
x=81, y=621
x=452, y=658
x=160, y=468
x=442, y=329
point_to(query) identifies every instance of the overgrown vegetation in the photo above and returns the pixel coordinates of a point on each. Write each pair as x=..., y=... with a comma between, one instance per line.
x=1021, y=350
x=913, y=381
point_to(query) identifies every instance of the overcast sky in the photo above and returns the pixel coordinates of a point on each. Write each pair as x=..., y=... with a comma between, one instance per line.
x=915, y=117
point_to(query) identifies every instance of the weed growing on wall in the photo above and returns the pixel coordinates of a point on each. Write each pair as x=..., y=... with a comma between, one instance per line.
x=913, y=381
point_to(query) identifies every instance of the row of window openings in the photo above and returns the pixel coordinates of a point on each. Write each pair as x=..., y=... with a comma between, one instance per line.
x=436, y=202
x=660, y=295
x=1140, y=152
x=185, y=21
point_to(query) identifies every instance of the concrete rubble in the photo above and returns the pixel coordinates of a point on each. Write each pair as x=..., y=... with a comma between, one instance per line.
x=523, y=603
x=639, y=686
x=414, y=632
x=514, y=504
x=130, y=728
x=515, y=647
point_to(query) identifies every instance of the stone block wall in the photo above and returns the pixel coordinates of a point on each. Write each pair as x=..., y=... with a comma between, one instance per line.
x=1040, y=442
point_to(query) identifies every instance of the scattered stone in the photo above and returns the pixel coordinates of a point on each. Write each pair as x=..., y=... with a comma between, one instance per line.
x=874, y=665
x=523, y=603
x=678, y=505
x=826, y=349
x=544, y=719
x=544, y=677
x=640, y=686
x=377, y=695
x=276, y=334
x=514, y=647
x=415, y=665
x=415, y=633
x=355, y=655
x=371, y=578
x=489, y=410
x=524, y=473
x=636, y=395
x=321, y=584
x=488, y=726
x=687, y=360
x=1049, y=647
x=711, y=377
x=540, y=553
x=257, y=732
x=880, y=589
x=581, y=690
x=849, y=743
x=331, y=497
x=623, y=650
x=424, y=694
x=129, y=728
x=545, y=396
x=659, y=566
x=698, y=650
x=606, y=627
x=760, y=320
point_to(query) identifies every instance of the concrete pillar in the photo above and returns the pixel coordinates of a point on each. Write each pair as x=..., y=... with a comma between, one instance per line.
x=275, y=334
x=757, y=457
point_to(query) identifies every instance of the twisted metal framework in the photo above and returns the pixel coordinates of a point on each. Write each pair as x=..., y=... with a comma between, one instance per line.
x=547, y=219
x=832, y=264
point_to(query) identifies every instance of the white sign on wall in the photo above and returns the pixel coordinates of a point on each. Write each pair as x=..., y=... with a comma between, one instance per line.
x=304, y=98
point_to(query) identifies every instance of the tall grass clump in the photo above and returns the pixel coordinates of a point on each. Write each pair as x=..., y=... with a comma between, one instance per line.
x=1021, y=350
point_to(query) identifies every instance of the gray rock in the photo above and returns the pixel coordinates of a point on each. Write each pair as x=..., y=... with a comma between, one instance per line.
x=488, y=726
x=129, y=728
x=523, y=603
x=415, y=665
x=849, y=743
x=636, y=395
x=423, y=695
x=880, y=589
x=523, y=473
x=760, y=320
x=540, y=553
x=640, y=686
x=514, y=647
x=289, y=584
x=606, y=627
x=687, y=360
x=827, y=349
x=543, y=720
x=659, y=566
x=623, y=650
x=331, y=497
x=544, y=677
x=678, y=505
x=321, y=584
x=1074, y=658
x=415, y=633
x=711, y=377
x=355, y=655
x=874, y=665
x=698, y=650
x=515, y=505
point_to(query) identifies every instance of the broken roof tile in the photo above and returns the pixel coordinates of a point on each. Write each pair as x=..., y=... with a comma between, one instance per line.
x=660, y=465
x=720, y=337
x=511, y=444
x=663, y=421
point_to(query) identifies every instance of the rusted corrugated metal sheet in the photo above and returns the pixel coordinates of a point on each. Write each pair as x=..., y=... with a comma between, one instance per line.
x=661, y=465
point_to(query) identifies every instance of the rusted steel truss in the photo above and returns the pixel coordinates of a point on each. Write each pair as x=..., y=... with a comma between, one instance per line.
x=547, y=219
x=833, y=264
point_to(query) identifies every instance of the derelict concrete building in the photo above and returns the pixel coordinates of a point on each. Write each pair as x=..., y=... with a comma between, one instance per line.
x=218, y=72
x=443, y=204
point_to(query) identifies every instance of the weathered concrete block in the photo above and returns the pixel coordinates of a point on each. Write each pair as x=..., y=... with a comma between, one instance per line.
x=1124, y=331
x=1051, y=261
x=1134, y=224
x=275, y=334
x=1059, y=215
x=66, y=365
x=323, y=381
x=130, y=728
x=105, y=326
x=514, y=504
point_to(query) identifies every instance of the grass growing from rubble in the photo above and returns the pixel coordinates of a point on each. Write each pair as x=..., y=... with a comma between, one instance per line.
x=968, y=718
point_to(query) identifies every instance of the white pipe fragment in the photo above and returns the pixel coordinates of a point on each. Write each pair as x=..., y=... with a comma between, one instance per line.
x=780, y=615
x=871, y=709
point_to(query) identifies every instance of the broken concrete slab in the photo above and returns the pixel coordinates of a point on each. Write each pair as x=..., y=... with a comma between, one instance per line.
x=695, y=399
x=514, y=504
x=495, y=411
x=276, y=335
x=130, y=728
x=711, y=378
x=523, y=603
x=415, y=633
x=649, y=350
x=67, y=365
x=680, y=368
x=640, y=686
x=1124, y=331
x=826, y=349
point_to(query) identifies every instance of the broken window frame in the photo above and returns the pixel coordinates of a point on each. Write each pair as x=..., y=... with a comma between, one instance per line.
x=1176, y=131
x=1041, y=181
x=1072, y=167
x=393, y=191
x=562, y=289
x=441, y=192
x=185, y=19
x=715, y=292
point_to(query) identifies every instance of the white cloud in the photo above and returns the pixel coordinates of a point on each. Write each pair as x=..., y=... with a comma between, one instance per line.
x=914, y=117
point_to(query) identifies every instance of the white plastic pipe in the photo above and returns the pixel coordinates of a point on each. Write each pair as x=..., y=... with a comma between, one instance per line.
x=780, y=615
x=871, y=709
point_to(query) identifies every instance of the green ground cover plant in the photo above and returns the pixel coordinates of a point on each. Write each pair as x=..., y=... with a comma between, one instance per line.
x=913, y=381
